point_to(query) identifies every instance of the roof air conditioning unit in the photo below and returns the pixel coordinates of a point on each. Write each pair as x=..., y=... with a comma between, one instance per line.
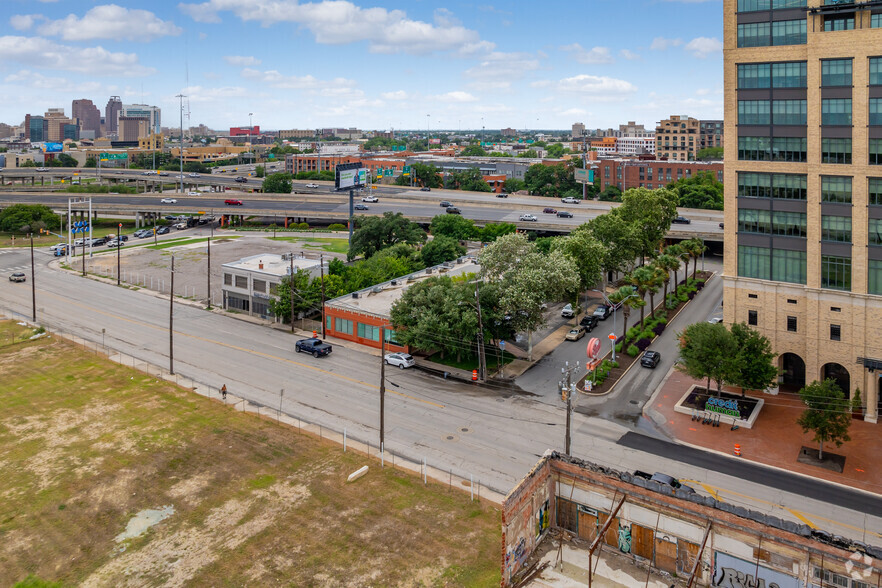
x=428, y=271
x=355, y=294
x=376, y=289
x=394, y=282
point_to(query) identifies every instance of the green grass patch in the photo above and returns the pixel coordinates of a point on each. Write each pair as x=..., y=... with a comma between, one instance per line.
x=326, y=244
x=470, y=362
x=178, y=241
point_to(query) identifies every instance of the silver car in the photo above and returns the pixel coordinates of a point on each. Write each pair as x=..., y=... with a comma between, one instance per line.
x=402, y=360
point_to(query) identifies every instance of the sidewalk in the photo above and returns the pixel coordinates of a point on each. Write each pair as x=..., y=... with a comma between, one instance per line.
x=775, y=439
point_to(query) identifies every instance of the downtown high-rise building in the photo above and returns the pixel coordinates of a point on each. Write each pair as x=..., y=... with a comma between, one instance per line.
x=87, y=116
x=111, y=115
x=803, y=187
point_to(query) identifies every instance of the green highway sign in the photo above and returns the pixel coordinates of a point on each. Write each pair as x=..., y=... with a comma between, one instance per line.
x=106, y=156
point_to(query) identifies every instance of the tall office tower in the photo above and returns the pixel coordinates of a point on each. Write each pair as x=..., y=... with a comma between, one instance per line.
x=87, y=115
x=151, y=113
x=111, y=115
x=803, y=186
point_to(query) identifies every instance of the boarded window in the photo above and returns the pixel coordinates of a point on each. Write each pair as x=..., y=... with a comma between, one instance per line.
x=260, y=286
x=241, y=282
x=666, y=555
x=567, y=516
x=228, y=279
x=641, y=541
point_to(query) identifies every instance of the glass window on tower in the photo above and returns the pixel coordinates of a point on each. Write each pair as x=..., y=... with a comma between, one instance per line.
x=874, y=283
x=839, y=22
x=754, y=262
x=789, y=266
x=789, y=75
x=874, y=191
x=753, y=34
x=753, y=112
x=876, y=71
x=836, y=150
x=754, y=75
x=835, y=272
x=836, y=228
x=789, y=112
x=875, y=151
x=875, y=237
x=836, y=72
x=836, y=189
x=876, y=21
x=789, y=32
x=836, y=111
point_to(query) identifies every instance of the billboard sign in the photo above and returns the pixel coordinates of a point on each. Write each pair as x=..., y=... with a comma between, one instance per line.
x=350, y=175
x=52, y=148
x=584, y=176
x=434, y=141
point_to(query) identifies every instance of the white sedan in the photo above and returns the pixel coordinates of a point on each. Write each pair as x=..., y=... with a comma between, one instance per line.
x=58, y=246
x=168, y=201
x=528, y=217
x=194, y=175
x=402, y=360
x=370, y=199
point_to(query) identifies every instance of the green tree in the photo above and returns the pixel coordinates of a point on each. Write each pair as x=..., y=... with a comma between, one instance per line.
x=619, y=240
x=26, y=216
x=700, y=191
x=28, y=163
x=473, y=151
x=756, y=368
x=708, y=351
x=65, y=160
x=529, y=154
x=91, y=162
x=587, y=252
x=695, y=248
x=426, y=175
x=441, y=249
x=644, y=279
x=513, y=185
x=610, y=194
x=493, y=231
x=828, y=414
x=468, y=179
x=259, y=171
x=376, y=233
x=551, y=180
x=651, y=213
x=709, y=154
x=666, y=263
x=454, y=226
x=675, y=252
x=556, y=150
x=306, y=293
x=277, y=184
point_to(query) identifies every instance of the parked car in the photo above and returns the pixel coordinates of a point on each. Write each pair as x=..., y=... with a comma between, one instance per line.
x=168, y=201
x=715, y=320
x=17, y=277
x=549, y=210
x=602, y=312
x=181, y=226
x=370, y=199
x=360, y=206
x=650, y=359
x=241, y=180
x=589, y=321
x=314, y=346
x=528, y=217
x=163, y=231
x=564, y=214
x=569, y=200
x=502, y=195
x=681, y=220
x=312, y=185
x=453, y=210
x=445, y=204
x=114, y=243
x=402, y=360
x=575, y=333
x=232, y=202
x=57, y=246
x=424, y=189
x=567, y=311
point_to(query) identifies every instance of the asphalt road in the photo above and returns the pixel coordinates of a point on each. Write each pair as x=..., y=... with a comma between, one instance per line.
x=492, y=433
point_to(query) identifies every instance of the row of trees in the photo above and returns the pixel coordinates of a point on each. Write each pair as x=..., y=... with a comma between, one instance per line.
x=28, y=218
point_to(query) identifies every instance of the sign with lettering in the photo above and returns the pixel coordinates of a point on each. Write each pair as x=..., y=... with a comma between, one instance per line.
x=731, y=572
x=727, y=406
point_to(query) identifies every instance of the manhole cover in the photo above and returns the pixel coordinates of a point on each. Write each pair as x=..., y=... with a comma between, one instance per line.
x=634, y=401
x=464, y=430
x=450, y=437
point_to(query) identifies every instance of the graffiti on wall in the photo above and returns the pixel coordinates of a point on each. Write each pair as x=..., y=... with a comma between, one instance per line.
x=731, y=572
x=624, y=538
x=542, y=521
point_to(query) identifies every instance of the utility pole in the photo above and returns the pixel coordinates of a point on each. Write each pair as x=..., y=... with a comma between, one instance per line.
x=181, y=153
x=208, y=273
x=171, y=317
x=118, y=244
x=33, y=284
x=482, y=354
x=382, y=386
x=291, y=289
x=352, y=215
x=567, y=389
x=322, y=269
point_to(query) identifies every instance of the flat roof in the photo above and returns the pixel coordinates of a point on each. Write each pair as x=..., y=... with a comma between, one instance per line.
x=273, y=263
x=377, y=300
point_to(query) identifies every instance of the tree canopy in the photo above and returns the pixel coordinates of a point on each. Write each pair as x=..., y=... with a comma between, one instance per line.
x=473, y=151
x=828, y=414
x=700, y=191
x=378, y=232
x=441, y=249
x=277, y=184
x=468, y=179
x=28, y=217
x=454, y=226
x=708, y=351
x=619, y=240
x=551, y=180
x=650, y=212
x=756, y=368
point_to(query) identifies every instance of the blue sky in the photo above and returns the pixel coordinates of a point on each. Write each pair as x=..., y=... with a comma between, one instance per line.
x=371, y=64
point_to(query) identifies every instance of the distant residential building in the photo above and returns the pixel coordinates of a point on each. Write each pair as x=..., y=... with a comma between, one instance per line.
x=603, y=145
x=151, y=142
x=578, y=130
x=297, y=134
x=711, y=134
x=625, y=173
x=509, y=132
x=245, y=131
x=87, y=116
x=153, y=114
x=635, y=145
x=677, y=138
x=632, y=129
x=111, y=114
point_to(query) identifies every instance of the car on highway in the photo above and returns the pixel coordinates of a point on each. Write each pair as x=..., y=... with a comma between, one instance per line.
x=370, y=199
x=314, y=346
x=569, y=200
x=233, y=202
x=575, y=333
x=549, y=210
x=193, y=175
x=402, y=360
x=141, y=233
x=168, y=201
x=97, y=242
x=445, y=204
x=192, y=193
x=528, y=217
x=241, y=180
x=502, y=195
x=589, y=321
x=114, y=243
x=146, y=173
x=567, y=311
x=163, y=231
x=424, y=189
x=650, y=359
x=42, y=169
x=163, y=173
x=312, y=185
x=681, y=220
x=453, y=210
x=360, y=206
x=78, y=242
x=564, y=214
x=17, y=277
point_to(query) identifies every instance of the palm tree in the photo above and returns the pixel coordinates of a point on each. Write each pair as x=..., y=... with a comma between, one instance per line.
x=696, y=248
x=644, y=279
x=675, y=252
x=666, y=263
x=624, y=296
x=685, y=256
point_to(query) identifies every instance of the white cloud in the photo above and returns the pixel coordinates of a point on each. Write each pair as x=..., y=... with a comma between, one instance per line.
x=199, y=94
x=23, y=22
x=629, y=55
x=701, y=47
x=456, y=96
x=397, y=95
x=38, y=81
x=339, y=22
x=277, y=80
x=499, y=65
x=661, y=44
x=43, y=53
x=599, y=88
x=571, y=112
x=110, y=22
x=589, y=56
x=241, y=61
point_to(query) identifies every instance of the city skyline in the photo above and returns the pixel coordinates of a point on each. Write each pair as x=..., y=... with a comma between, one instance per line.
x=371, y=65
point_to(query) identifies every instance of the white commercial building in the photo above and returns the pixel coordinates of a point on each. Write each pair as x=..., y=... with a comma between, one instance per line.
x=636, y=145
x=251, y=282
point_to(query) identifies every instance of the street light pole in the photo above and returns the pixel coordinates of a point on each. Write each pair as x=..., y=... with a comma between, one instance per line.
x=33, y=284
x=181, y=152
x=208, y=273
x=322, y=269
x=171, y=317
x=568, y=388
x=118, y=243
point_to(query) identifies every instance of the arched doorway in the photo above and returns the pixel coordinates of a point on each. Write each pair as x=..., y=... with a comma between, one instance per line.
x=836, y=372
x=792, y=370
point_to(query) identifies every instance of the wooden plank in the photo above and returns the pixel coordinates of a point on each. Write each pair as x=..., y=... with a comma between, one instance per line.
x=642, y=541
x=686, y=556
x=666, y=555
x=588, y=526
x=611, y=537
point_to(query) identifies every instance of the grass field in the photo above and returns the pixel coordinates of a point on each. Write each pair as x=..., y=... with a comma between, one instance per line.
x=86, y=444
x=326, y=244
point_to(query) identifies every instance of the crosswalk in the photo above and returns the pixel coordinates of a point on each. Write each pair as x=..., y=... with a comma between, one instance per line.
x=19, y=268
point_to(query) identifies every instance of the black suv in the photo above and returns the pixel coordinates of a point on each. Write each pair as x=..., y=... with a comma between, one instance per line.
x=650, y=359
x=589, y=322
x=453, y=210
x=564, y=214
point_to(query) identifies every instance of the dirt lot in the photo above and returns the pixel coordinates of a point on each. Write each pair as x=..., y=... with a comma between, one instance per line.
x=148, y=267
x=111, y=478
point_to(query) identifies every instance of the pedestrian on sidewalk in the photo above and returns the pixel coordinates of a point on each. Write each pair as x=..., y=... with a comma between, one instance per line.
x=224, y=391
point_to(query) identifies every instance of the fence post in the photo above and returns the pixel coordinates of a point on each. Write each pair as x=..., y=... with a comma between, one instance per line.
x=425, y=468
x=344, y=439
x=472, y=485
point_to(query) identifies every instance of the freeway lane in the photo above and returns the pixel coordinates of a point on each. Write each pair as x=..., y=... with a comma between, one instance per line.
x=493, y=433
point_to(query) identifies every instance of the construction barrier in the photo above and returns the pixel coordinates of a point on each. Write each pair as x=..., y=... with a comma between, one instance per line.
x=474, y=375
x=737, y=450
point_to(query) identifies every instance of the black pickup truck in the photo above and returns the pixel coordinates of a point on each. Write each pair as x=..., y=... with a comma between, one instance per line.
x=313, y=346
x=664, y=479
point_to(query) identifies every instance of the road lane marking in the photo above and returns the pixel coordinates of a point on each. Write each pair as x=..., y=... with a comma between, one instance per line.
x=799, y=515
x=69, y=302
